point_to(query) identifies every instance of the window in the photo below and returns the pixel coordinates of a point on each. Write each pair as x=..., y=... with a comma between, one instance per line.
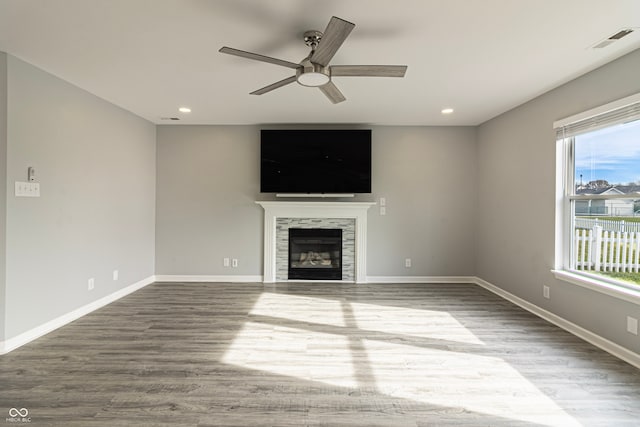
x=598, y=233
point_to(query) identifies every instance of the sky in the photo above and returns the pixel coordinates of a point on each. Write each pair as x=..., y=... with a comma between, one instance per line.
x=612, y=154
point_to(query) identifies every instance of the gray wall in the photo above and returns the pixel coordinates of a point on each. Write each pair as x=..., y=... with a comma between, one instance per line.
x=516, y=193
x=208, y=181
x=96, y=166
x=3, y=187
x=428, y=177
x=207, y=184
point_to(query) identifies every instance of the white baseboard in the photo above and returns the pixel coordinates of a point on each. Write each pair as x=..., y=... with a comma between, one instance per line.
x=370, y=279
x=421, y=279
x=32, y=334
x=610, y=347
x=205, y=278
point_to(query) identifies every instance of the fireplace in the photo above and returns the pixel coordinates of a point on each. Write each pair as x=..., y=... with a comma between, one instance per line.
x=280, y=216
x=315, y=253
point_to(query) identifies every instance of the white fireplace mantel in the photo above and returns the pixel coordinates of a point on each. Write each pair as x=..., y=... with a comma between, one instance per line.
x=304, y=209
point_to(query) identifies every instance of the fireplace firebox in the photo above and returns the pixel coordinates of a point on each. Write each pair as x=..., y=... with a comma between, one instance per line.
x=315, y=253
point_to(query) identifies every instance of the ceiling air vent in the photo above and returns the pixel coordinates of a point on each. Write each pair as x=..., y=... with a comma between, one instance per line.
x=620, y=34
x=169, y=118
x=617, y=36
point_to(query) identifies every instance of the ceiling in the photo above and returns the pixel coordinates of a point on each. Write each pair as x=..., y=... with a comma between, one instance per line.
x=479, y=57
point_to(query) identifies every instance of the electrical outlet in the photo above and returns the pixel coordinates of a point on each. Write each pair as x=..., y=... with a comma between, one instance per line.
x=116, y=274
x=91, y=283
x=632, y=325
x=545, y=292
x=225, y=262
x=234, y=262
x=383, y=210
x=407, y=262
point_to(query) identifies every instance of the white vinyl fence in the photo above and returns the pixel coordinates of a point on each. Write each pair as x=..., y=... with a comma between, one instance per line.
x=597, y=249
x=607, y=224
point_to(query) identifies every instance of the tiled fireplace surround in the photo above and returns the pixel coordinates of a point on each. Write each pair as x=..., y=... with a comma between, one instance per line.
x=351, y=217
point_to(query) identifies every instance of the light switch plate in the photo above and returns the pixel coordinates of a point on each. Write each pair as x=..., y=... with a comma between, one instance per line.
x=27, y=189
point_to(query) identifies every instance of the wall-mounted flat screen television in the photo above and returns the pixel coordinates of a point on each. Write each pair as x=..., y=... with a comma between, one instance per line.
x=315, y=161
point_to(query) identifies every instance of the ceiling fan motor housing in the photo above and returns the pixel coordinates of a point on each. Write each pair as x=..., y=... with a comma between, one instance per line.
x=313, y=75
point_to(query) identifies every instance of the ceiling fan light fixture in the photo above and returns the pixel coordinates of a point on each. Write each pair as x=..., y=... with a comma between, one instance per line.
x=312, y=75
x=313, y=79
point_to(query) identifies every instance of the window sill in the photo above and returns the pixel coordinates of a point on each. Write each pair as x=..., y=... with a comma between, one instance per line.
x=616, y=291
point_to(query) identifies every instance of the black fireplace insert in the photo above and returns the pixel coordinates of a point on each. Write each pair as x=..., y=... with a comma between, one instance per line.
x=315, y=253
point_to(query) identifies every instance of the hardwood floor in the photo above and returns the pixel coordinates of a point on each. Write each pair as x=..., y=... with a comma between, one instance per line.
x=205, y=354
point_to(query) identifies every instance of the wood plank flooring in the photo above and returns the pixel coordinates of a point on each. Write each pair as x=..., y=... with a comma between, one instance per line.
x=315, y=354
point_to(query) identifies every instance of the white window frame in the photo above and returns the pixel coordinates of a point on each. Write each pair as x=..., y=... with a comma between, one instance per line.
x=596, y=118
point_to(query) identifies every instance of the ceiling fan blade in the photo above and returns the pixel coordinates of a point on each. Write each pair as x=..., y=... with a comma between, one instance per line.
x=368, y=70
x=332, y=92
x=258, y=57
x=275, y=85
x=334, y=35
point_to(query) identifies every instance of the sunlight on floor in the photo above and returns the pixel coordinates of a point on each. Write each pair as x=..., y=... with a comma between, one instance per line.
x=299, y=308
x=399, y=352
x=305, y=354
x=411, y=322
x=476, y=383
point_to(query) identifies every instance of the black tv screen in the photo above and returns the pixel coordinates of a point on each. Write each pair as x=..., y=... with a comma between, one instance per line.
x=315, y=161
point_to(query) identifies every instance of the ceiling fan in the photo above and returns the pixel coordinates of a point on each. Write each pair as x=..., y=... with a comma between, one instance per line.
x=314, y=70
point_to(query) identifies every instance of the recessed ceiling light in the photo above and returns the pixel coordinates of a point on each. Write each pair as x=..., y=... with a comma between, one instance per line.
x=184, y=109
x=447, y=110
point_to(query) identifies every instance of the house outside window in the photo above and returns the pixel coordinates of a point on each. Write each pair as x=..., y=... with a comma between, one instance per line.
x=598, y=221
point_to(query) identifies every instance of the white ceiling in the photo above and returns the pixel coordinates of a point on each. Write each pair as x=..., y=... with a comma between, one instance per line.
x=481, y=57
